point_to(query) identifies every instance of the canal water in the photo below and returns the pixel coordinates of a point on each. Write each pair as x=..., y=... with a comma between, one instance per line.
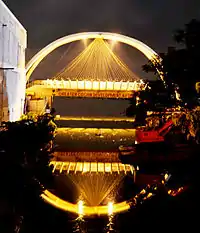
x=157, y=214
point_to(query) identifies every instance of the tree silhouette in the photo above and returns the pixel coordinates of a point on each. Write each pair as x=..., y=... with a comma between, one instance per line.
x=180, y=66
x=154, y=98
x=25, y=150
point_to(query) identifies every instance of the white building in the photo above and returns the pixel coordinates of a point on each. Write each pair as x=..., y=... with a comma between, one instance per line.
x=13, y=42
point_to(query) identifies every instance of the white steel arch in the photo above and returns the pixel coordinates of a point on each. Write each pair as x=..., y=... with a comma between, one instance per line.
x=143, y=48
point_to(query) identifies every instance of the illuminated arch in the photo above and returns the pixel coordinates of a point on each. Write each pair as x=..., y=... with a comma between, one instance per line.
x=34, y=62
x=87, y=210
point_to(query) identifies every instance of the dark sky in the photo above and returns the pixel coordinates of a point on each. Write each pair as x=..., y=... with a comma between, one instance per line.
x=151, y=21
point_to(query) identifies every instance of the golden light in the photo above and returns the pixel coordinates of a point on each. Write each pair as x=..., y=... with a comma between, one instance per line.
x=110, y=208
x=143, y=191
x=137, y=100
x=169, y=191
x=57, y=117
x=180, y=189
x=174, y=193
x=80, y=208
x=35, y=61
x=149, y=195
x=166, y=176
x=85, y=88
x=96, y=167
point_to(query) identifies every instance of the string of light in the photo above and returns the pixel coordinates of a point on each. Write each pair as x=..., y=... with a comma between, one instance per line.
x=97, y=62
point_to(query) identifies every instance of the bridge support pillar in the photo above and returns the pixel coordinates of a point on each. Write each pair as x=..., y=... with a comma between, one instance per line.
x=39, y=105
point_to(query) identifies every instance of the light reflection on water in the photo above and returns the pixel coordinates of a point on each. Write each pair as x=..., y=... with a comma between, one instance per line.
x=110, y=226
x=94, y=188
x=80, y=225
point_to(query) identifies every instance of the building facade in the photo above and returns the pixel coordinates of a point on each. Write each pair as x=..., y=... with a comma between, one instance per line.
x=13, y=43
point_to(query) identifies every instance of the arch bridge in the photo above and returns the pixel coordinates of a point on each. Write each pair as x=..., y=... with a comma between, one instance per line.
x=96, y=72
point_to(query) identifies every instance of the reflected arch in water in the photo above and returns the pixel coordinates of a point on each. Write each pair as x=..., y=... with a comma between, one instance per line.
x=87, y=210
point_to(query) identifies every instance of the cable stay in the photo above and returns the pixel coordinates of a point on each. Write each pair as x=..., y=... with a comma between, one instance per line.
x=97, y=62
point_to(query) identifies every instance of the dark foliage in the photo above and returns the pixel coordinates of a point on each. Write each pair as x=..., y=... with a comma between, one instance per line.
x=25, y=150
x=180, y=66
x=154, y=98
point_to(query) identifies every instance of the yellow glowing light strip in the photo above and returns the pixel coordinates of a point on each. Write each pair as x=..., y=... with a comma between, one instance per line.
x=100, y=130
x=117, y=119
x=88, y=85
x=34, y=62
x=87, y=210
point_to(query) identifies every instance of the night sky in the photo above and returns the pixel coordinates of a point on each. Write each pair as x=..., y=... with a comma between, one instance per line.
x=150, y=21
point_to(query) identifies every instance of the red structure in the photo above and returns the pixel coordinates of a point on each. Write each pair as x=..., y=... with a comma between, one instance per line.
x=143, y=136
x=145, y=141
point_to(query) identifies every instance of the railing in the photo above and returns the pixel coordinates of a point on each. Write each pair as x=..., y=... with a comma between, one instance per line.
x=88, y=167
x=89, y=85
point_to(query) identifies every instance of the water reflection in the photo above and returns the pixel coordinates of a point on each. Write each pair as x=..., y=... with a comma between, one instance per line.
x=95, y=187
x=83, y=226
x=80, y=225
x=110, y=226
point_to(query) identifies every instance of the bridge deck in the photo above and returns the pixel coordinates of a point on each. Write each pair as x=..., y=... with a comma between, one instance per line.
x=84, y=88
